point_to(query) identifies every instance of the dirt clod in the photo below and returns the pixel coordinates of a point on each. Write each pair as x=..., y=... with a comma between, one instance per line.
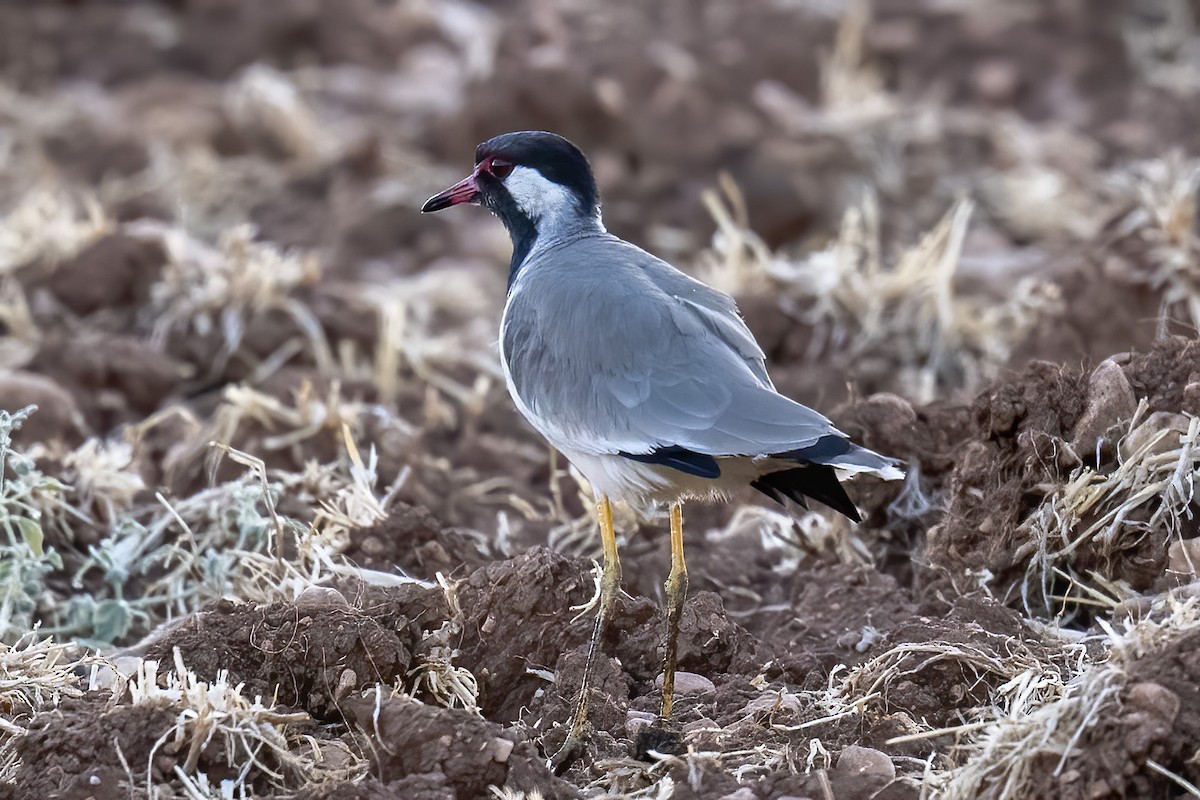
x=58, y=416
x=1157, y=717
x=287, y=651
x=115, y=271
x=72, y=751
x=115, y=378
x=415, y=541
x=417, y=745
x=518, y=614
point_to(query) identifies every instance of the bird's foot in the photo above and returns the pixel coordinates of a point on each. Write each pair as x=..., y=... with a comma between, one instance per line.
x=569, y=752
x=663, y=736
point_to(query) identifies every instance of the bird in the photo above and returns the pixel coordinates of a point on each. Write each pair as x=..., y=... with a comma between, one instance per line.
x=646, y=379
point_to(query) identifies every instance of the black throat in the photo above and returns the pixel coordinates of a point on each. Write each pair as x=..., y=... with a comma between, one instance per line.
x=521, y=228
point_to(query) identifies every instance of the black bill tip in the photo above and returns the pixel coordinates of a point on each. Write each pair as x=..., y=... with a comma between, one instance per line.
x=436, y=203
x=465, y=191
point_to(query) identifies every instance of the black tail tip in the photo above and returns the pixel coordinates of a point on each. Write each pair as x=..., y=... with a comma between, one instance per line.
x=816, y=481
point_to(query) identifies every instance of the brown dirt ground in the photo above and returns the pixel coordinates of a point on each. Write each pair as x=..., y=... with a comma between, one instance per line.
x=72, y=752
x=1159, y=719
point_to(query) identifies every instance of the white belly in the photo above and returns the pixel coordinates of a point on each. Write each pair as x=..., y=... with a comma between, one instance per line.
x=621, y=478
x=635, y=482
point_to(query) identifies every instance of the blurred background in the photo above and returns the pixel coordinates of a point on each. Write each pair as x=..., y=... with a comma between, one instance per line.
x=322, y=125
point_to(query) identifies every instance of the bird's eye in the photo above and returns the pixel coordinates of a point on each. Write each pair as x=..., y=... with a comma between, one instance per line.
x=501, y=168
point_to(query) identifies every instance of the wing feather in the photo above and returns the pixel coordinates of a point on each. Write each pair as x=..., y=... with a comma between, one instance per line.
x=611, y=350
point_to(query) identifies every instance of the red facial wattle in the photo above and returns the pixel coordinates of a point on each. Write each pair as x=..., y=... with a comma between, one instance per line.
x=467, y=190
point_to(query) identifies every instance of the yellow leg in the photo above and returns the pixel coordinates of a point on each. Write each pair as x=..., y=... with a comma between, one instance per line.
x=610, y=585
x=676, y=588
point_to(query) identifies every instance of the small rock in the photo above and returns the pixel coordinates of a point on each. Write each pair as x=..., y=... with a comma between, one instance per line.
x=1134, y=609
x=866, y=762
x=702, y=724
x=335, y=754
x=1154, y=698
x=105, y=676
x=1140, y=437
x=501, y=749
x=320, y=599
x=1110, y=401
x=900, y=789
x=744, y=793
x=1191, y=395
x=1183, y=559
x=637, y=720
x=859, y=640
x=347, y=682
x=772, y=703
x=690, y=683
x=848, y=639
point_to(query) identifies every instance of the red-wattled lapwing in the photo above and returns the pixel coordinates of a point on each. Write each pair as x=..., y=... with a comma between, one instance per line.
x=646, y=379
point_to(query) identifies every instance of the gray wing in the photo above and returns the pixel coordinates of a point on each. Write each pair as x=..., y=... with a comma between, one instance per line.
x=612, y=350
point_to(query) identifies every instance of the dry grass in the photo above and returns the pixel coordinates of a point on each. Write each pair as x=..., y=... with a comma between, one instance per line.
x=413, y=342
x=1160, y=229
x=35, y=674
x=905, y=319
x=225, y=549
x=266, y=105
x=795, y=541
x=50, y=225
x=976, y=662
x=1149, y=494
x=1040, y=715
x=103, y=478
x=436, y=673
x=785, y=726
x=252, y=735
x=169, y=558
x=215, y=292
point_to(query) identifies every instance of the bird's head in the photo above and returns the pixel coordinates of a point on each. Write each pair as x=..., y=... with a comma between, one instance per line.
x=537, y=183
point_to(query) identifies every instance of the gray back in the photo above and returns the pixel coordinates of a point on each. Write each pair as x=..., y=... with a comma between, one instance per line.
x=614, y=350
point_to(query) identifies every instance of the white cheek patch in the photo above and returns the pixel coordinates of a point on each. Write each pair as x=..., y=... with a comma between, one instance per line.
x=540, y=198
